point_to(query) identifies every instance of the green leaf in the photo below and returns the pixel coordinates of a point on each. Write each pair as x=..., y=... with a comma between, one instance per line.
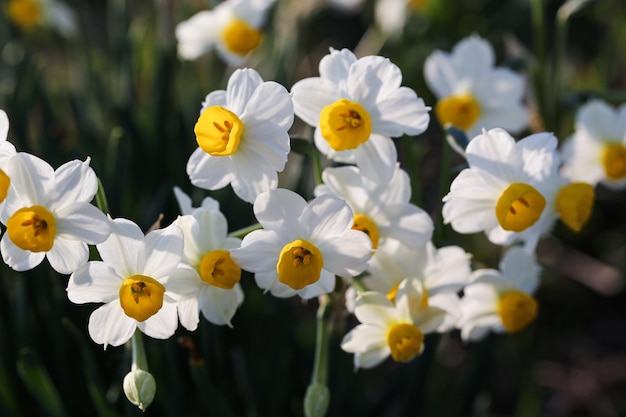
x=37, y=380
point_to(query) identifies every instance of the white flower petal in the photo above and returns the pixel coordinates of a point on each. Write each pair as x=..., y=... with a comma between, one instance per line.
x=163, y=249
x=375, y=309
x=163, y=324
x=95, y=282
x=241, y=86
x=121, y=249
x=67, y=255
x=348, y=255
x=209, y=172
x=377, y=158
x=18, y=259
x=189, y=313
x=218, y=305
x=310, y=96
x=259, y=251
x=280, y=209
x=75, y=182
x=108, y=325
x=270, y=102
x=82, y=221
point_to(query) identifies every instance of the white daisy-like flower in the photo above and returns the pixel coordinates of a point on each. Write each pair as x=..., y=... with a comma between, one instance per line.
x=501, y=300
x=207, y=278
x=391, y=329
x=472, y=93
x=596, y=152
x=233, y=28
x=130, y=282
x=381, y=210
x=30, y=14
x=442, y=272
x=242, y=136
x=49, y=214
x=302, y=245
x=356, y=107
x=509, y=189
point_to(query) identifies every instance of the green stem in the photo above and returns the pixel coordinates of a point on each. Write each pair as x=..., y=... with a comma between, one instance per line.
x=321, y=341
x=139, y=352
x=410, y=160
x=244, y=231
x=538, y=24
x=317, y=164
x=101, y=198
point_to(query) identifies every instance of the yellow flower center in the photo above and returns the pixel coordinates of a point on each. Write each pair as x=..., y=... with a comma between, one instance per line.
x=218, y=131
x=240, y=38
x=614, y=160
x=32, y=228
x=5, y=183
x=141, y=297
x=367, y=226
x=299, y=264
x=460, y=111
x=519, y=207
x=574, y=204
x=24, y=13
x=393, y=292
x=405, y=341
x=217, y=268
x=517, y=310
x=345, y=124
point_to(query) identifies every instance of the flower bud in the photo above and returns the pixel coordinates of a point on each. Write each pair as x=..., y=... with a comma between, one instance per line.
x=139, y=387
x=316, y=400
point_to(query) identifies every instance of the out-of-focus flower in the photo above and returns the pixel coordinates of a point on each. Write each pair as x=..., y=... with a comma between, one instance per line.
x=7, y=150
x=381, y=210
x=49, y=214
x=596, y=152
x=391, y=329
x=509, y=189
x=208, y=278
x=473, y=94
x=31, y=14
x=356, y=107
x=242, y=136
x=233, y=27
x=501, y=301
x=130, y=282
x=303, y=245
x=392, y=15
x=442, y=272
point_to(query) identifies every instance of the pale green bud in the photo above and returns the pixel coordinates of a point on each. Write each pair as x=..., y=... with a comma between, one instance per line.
x=139, y=387
x=316, y=400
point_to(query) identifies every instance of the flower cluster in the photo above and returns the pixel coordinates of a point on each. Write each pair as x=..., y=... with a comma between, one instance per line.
x=358, y=234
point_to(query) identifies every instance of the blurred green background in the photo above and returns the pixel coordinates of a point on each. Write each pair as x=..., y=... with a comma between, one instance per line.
x=118, y=93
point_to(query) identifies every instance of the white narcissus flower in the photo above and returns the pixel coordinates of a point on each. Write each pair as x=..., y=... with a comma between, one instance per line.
x=242, y=136
x=49, y=215
x=302, y=245
x=233, y=27
x=442, y=272
x=381, y=210
x=130, y=282
x=30, y=14
x=500, y=300
x=356, y=107
x=389, y=329
x=472, y=93
x=207, y=278
x=509, y=189
x=596, y=152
